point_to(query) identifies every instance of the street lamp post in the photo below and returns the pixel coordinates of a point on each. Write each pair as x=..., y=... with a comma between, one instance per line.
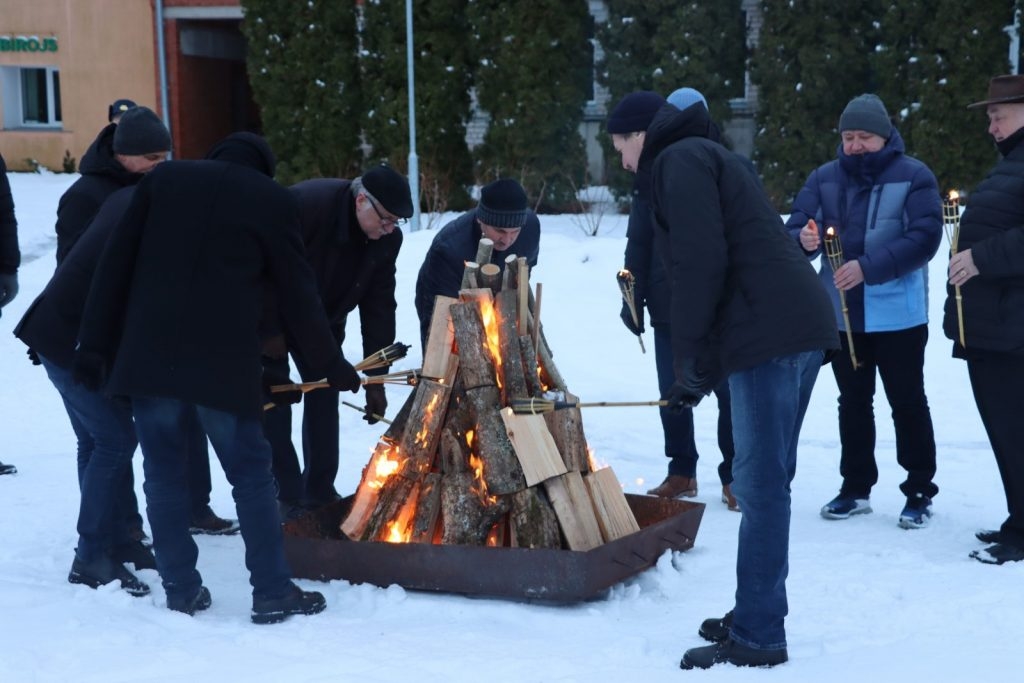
x=414, y=171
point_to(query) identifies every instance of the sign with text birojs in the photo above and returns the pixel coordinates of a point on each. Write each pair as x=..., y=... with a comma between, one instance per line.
x=27, y=43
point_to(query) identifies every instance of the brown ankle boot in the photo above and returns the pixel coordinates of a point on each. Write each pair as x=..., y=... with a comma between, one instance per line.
x=675, y=486
x=729, y=499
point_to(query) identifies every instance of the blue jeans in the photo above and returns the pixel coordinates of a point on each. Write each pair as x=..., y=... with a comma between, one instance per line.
x=245, y=456
x=106, y=443
x=768, y=406
x=680, y=445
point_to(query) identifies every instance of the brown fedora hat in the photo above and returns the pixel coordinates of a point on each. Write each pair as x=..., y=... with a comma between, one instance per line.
x=1003, y=89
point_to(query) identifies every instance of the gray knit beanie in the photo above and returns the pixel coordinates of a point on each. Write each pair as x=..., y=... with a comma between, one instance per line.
x=141, y=131
x=866, y=112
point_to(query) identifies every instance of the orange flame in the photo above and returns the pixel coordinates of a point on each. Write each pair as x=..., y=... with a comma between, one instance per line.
x=423, y=434
x=954, y=196
x=385, y=462
x=490, y=319
x=592, y=460
x=479, y=485
x=400, y=528
x=830, y=232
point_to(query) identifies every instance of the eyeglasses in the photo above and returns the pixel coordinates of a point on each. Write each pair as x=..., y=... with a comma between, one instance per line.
x=385, y=220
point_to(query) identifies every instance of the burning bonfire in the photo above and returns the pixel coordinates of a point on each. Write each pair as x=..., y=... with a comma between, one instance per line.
x=460, y=464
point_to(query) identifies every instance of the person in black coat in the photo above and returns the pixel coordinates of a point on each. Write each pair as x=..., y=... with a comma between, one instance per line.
x=172, y=321
x=502, y=216
x=351, y=238
x=745, y=304
x=10, y=257
x=988, y=268
x=119, y=156
x=108, y=510
x=652, y=292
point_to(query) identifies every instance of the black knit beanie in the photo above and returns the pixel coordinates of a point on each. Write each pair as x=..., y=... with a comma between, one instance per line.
x=866, y=112
x=247, y=149
x=140, y=131
x=634, y=112
x=118, y=108
x=502, y=204
x=390, y=188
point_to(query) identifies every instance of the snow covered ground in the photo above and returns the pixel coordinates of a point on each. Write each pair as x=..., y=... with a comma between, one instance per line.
x=868, y=601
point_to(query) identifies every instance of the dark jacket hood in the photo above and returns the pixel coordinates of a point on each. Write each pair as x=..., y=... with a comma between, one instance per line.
x=99, y=159
x=671, y=124
x=246, y=149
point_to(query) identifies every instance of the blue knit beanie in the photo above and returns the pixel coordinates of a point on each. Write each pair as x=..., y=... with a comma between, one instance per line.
x=686, y=97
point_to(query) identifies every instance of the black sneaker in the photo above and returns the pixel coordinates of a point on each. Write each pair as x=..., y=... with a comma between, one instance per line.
x=104, y=570
x=999, y=553
x=716, y=630
x=731, y=652
x=916, y=512
x=200, y=601
x=208, y=522
x=989, y=536
x=8, y=469
x=136, y=553
x=296, y=601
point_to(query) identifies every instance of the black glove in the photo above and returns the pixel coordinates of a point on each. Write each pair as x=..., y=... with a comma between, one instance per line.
x=376, y=403
x=8, y=288
x=34, y=357
x=343, y=377
x=89, y=369
x=275, y=372
x=694, y=381
x=627, y=319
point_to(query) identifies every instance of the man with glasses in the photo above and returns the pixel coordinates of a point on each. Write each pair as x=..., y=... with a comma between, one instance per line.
x=350, y=232
x=501, y=216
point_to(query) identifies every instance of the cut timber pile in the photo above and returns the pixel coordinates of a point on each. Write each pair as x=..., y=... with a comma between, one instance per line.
x=457, y=466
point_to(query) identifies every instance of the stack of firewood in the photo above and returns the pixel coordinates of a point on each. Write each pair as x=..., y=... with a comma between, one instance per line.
x=458, y=465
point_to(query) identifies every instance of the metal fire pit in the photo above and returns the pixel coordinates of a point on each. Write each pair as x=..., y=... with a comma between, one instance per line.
x=317, y=549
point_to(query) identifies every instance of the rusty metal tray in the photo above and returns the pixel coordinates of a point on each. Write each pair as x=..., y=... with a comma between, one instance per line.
x=316, y=549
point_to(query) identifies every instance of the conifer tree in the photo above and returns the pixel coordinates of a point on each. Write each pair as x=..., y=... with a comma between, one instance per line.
x=812, y=58
x=532, y=77
x=929, y=74
x=662, y=45
x=443, y=80
x=304, y=75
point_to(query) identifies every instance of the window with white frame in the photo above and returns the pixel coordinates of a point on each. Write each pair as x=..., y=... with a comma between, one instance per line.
x=31, y=96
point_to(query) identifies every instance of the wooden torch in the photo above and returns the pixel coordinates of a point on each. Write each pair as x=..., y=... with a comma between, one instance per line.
x=834, y=252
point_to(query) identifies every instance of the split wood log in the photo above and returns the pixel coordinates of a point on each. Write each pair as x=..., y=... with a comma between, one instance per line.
x=467, y=514
x=502, y=471
x=513, y=375
x=533, y=521
x=536, y=450
x=484, y=249
x=523, y=287
x=569, y=497
x=531, y=370
x=490, y=277
x=453, y=450
x=508, y=275
x=614, y=516
x=566, y=427
x=440, y=337
x=428, y=510
x=418, y=447
x=476, y=364
x=383, y=463
x=469, y=275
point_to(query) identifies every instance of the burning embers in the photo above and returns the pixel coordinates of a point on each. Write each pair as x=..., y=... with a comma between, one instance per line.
x=458, y=466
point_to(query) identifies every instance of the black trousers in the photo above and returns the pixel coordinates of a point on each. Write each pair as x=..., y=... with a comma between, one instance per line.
x=898, y=358
x=996, y=380
x=314, y=483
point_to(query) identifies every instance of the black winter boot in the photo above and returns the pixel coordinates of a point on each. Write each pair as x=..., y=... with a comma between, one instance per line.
x=104, y=570
x=197, y=603
x=716, y=630
x=295, y=601
x=731, y=652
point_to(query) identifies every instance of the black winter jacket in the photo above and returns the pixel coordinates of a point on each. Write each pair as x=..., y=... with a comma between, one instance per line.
x=50, y=325
x=351, y=270
x=177, y=299
x=742, y=291
x=992, y=227
x=454, y=245
x=102, y=175
x=10, y=255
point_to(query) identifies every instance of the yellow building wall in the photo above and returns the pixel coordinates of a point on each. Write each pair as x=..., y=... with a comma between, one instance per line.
x=105, y=52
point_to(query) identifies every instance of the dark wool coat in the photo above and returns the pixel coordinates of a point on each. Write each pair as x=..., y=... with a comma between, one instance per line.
x=10, y=255
x=742, y=292
x=455, y=244
x=102, y=174
x=351, y=270
x=992, y=227
x=50, y=325
x=176, y=301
